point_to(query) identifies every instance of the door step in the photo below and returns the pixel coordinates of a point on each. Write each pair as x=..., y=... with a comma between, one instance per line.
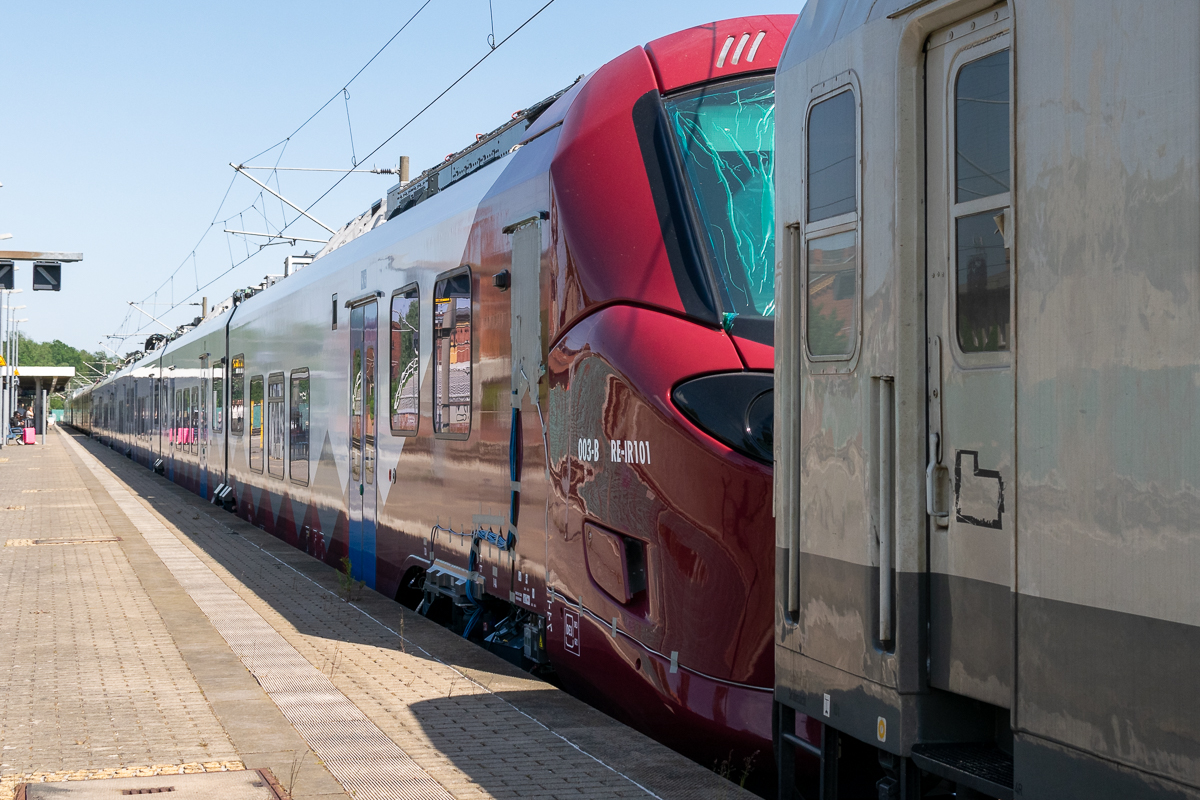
x=982, y=767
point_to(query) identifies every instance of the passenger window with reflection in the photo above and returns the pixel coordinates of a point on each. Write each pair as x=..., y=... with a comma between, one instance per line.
x=832, y=311
x=982, y=152
x=237, y=393
x=276, y=425
x=981, y=129
x=832, y=164
x=256, y=423
x=218, y=397
x=452, y=355
x=298, y=427
x=405, y=370
x=831, y=236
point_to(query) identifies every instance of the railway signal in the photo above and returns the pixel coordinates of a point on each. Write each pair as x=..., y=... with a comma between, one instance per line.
x=47, y=268
x=47, y=276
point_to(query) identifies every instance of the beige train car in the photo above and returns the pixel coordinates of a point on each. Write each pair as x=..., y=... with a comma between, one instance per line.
x=988, y=399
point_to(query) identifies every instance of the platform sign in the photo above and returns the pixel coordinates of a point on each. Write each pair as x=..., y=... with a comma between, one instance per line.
x=47, y=276
x=8, y=273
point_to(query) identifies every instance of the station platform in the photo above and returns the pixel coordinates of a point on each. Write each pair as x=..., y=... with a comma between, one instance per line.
x=144, y=632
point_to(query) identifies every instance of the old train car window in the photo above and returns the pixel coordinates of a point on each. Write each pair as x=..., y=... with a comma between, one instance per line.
x=298, y=427
x=405, y=370
x=452, y=356
x=981, y=128
x=981, y=166
x=832, y=308
x=177, y=419
x=830, y=250
x=726, y=135
x=218, y=398
x=256, y=423
x=832, y=145
x=237, y=393
x=276, y=425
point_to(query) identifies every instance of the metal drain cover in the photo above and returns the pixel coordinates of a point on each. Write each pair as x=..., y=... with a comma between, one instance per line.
x=250, y=784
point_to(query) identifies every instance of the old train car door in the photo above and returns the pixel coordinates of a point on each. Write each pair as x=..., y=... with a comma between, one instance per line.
x=970, y=472
x=364, y=345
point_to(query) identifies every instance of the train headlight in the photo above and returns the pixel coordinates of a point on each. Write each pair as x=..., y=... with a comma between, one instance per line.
x=735, y=408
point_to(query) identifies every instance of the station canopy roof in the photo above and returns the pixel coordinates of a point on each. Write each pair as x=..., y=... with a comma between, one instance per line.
x=53, y=379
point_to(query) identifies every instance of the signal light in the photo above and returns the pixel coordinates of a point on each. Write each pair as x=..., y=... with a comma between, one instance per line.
x=47, y=276
x=8, y=273
x=735, y=408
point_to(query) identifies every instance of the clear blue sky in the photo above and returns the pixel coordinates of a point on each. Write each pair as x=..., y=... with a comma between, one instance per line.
x=118, y=122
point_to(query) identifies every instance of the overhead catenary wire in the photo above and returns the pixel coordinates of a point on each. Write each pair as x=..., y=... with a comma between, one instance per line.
x=284, y=141
x=346, y=84
x=348, y=172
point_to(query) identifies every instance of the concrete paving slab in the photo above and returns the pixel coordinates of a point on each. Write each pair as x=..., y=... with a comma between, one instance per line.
x=442, y=701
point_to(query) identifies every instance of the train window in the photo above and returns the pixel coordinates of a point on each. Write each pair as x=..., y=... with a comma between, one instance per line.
x=256, y=423
x=983, y=285
x=726, y=135
x=176, y=423
x=981, y=128
x=298, y=427
x=334, y=311
x=405, y=399
x=237, y=393
x=832, y=165
x=831, y=314
x=218, y=398
x=194, y=420
x=830, y=250
x=276, y=425
x=452, y=356
x=982, y=275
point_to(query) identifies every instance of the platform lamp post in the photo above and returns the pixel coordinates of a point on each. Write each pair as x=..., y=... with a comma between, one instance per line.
x=8, y=396
x=15, y=335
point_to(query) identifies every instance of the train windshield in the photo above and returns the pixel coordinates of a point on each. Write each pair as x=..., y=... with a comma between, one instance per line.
x=726, y=134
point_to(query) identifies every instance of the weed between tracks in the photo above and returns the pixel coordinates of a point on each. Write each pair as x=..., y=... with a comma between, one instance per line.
x=730, y=772
x=349, y=588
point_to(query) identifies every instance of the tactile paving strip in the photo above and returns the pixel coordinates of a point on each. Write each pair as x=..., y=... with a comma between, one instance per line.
x=368, y=764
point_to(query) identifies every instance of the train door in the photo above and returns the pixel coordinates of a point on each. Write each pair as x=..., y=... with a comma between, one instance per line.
x=364, y=345
x=526, y=573
x=173, y=417
x=970, y=473
x=202, y=425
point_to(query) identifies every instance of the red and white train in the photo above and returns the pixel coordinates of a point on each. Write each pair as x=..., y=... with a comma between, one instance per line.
x=531, y=393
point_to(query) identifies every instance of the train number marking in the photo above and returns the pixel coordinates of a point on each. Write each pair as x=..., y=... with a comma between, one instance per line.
x=588, y=449
x=629, y=451
x=571, y=630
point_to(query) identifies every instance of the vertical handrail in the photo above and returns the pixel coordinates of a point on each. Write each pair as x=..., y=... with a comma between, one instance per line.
x=886, y=450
